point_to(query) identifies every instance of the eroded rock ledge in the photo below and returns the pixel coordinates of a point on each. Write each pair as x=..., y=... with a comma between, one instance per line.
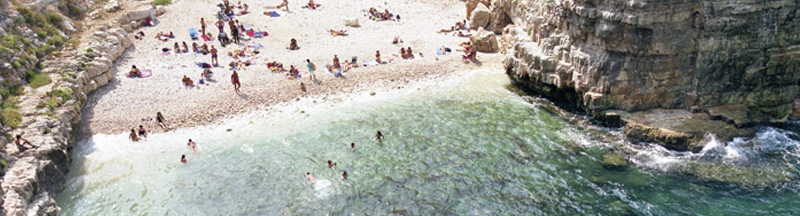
x=35, y=176
x=735, y=61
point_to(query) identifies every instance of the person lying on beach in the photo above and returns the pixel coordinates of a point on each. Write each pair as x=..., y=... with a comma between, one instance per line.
x=461, y=34
x=293, y=45
x=461, y=25
x=192, y=145
x=397, y=40
x=177, y=48
x=275, y=66
x=139, y=35
x=20, y=142
x=243, y=9
x=161, y=121
x=134, y=72
x=162, y=37
x=441, y=31
x=187, y=82
x=206, y=74
x=337, y=32
x=312, y=5
x=142, y=131
x=386, y=15
x=133, y=136
x=284, y=4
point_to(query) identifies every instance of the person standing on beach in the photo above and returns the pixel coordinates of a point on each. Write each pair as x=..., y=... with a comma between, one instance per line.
x=202, y=26
x=161, y=121
x=311, y=68
x=214, y=60
x=336, y=62
x=234, y=31
x=220, y=25
x=235, y=81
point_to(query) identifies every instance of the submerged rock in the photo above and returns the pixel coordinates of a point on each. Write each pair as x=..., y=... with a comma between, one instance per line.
x=613, y=160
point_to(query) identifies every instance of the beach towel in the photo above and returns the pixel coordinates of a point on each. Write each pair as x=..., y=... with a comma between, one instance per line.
x=248, y=27
x=370, y=63
x=206, y=38
x=259, y=34
x=256, y=46
x=273, y=14
x=204, y=65
x=146, y=73
x=193, y=33
x=250, y=33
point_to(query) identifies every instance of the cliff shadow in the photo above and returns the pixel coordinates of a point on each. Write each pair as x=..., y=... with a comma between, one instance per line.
x=84, y=131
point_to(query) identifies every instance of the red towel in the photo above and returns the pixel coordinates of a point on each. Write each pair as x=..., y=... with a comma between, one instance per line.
x=206, y=38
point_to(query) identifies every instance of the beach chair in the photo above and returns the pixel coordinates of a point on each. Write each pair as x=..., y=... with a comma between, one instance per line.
x=193, y=33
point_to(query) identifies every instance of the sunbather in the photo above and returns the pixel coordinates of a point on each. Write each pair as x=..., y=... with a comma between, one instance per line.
x=134, y=72
x=139, y=35
x=285, y=4
x=397, y=40
x=185, y=47
x=409, y=53
x=378, y=56
x=194, y=47
x=403, y=53
x=275, y=66
x=206, y=74
x=177, y=48
x=187, y=82
x=312, y=5
x=293, y=72
x=337, y=32
x=461, y=34
x=293, y=45
x=451, y=29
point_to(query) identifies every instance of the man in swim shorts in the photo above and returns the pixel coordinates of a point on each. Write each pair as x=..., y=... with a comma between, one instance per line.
x=311, y=68
x=235, y=81
x=214, y=60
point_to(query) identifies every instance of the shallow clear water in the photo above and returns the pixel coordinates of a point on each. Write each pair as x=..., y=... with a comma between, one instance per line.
x=467, y=146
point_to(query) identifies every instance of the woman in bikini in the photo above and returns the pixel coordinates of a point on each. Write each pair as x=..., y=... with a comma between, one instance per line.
x=185, y=47
x=142, y=131
x=177, y=48
x=161, y=121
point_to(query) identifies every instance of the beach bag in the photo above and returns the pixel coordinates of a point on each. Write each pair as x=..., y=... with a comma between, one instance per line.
x=313, y=67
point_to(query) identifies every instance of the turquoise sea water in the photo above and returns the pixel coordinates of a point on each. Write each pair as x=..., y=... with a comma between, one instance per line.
x=466, y=146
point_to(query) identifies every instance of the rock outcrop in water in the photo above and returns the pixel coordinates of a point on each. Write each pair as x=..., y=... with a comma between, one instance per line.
x=735, y=60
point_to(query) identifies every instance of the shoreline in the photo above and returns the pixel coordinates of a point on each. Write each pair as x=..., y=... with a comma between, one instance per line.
x=187, y=118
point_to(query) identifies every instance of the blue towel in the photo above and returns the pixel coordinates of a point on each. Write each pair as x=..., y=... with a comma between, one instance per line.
x=193, y=33
x=274, y=14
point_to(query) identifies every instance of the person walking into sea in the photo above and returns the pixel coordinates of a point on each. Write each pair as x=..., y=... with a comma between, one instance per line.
x=311, y=69
x=235, y=81
x=214, y=60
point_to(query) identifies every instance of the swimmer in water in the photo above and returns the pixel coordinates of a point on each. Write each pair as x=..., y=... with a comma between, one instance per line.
x=192, y=145
x=379, y=136
x=353, y=147
x=331, y=164
x=183, y=158
x=344, y=175
x=311, y=178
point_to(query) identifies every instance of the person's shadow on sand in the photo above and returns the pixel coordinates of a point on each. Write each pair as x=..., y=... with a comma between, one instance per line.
x=242, y=95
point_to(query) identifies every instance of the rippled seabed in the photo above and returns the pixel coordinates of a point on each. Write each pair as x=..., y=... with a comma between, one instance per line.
x=468, y=146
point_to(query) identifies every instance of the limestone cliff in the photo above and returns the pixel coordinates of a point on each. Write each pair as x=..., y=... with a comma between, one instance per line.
x=738, y=60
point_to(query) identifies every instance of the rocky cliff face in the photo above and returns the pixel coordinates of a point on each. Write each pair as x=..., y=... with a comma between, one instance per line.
x=35, y=176
x=738, y=60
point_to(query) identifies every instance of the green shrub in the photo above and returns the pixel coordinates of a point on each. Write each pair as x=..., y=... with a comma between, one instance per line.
x=11, y=117
x=70, y=10
x=54, y=18
x=9, y=41
x=42, y=34
x=3, y=164
x=56, y=40
x=63, y=93
x=10, y=102
x=39, y=80
x=32, y=18
x=163, y=2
